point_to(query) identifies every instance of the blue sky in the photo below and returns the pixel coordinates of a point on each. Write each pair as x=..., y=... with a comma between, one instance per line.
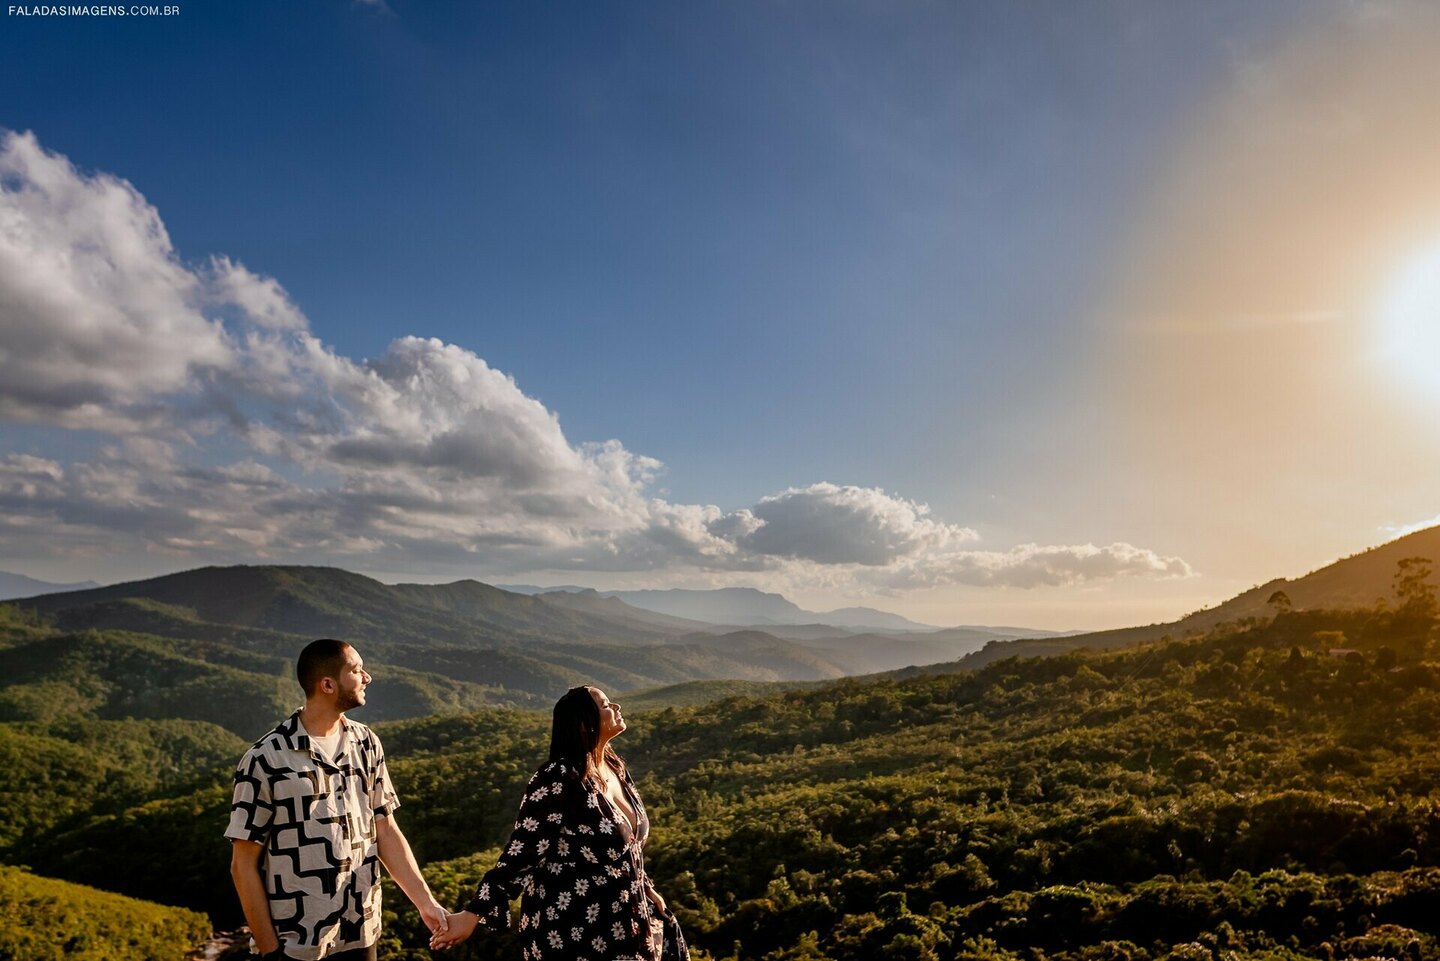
x=859, y=252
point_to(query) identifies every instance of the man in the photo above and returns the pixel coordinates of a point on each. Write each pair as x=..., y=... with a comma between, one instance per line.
x=313, y=811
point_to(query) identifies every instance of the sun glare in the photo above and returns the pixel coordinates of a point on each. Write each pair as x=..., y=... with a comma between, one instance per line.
x=1410, y=320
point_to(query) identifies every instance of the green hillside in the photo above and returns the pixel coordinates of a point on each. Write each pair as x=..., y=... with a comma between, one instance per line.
x=1356, y=582
x=696, y=693
x=1245, y=793
x=327, y=601
x=433, y=648
x=53, y=772
x=129, y=675
x=49, y=920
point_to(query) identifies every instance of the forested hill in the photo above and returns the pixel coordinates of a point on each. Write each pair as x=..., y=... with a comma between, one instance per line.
x=215, y=644
x=1246, y=794
x=327, y=601
x=1357, y=582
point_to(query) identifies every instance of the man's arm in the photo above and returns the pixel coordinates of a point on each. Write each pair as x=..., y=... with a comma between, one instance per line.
x=245, y=872
x=398, y=859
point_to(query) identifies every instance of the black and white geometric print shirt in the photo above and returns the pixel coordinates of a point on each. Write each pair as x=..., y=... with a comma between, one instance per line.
x=579, y=871
x=316, y=818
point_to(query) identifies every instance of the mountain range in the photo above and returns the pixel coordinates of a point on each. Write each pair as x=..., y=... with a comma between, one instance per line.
x=217, y=644
x=223, y=639
x=741, y=607
x=18, y=585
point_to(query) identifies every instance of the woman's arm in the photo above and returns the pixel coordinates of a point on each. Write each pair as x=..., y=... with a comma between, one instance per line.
x=655, y=897
x=534, y=838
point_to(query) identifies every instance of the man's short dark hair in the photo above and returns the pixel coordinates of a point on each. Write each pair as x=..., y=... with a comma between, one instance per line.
x=320, y=659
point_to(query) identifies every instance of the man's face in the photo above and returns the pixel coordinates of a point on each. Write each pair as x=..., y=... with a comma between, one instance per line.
x=352, y=682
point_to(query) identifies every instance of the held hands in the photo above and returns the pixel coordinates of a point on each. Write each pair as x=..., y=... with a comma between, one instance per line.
x=434, y=917
x=658, y=901
x=459, y=926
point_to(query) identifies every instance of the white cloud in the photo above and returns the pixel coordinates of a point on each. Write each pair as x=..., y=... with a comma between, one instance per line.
x=1033, y=565
x=97, y=317
x=1402, y=530
x=830, y=524
x=239, y=436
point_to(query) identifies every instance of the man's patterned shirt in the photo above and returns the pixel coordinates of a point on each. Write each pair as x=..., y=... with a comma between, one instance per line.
x=316, y=818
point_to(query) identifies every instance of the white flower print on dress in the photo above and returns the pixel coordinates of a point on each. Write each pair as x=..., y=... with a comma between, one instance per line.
x=578, y=850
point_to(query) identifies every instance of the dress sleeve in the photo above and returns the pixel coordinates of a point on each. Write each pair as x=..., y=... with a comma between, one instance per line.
x=535, y=836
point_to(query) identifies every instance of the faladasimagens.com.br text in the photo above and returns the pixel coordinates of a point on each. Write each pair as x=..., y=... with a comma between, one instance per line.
x=94, y=10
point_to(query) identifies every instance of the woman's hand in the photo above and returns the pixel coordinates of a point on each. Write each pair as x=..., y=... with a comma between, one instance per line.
x=657, y=900
x=462, y=925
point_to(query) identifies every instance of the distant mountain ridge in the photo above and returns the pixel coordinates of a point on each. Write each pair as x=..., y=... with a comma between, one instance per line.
x=1353, y=582
x=435, y=648
x=14, y=586
x=741, y=607
x=327, y=601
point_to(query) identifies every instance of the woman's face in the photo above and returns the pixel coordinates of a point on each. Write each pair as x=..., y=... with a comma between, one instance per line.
x=611, y=723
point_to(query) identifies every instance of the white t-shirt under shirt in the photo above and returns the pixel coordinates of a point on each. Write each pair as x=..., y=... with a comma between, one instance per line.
x=328, y=747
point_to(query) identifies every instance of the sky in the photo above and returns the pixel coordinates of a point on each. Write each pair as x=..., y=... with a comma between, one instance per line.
x=1041, y=313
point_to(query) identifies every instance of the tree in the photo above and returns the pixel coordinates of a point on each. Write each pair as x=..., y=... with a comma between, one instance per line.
x=1414, y=590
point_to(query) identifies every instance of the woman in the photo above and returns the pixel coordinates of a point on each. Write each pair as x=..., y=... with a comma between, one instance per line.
x=574, y=855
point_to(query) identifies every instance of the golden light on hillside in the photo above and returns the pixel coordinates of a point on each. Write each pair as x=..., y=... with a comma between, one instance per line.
x=1410, y=320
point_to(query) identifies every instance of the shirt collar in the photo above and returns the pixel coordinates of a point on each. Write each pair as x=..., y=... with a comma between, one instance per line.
x=293, y=732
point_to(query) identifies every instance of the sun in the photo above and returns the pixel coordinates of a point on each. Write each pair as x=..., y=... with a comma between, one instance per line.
x=1410, y=320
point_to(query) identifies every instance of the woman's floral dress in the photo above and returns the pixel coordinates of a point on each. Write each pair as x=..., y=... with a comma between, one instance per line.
x=579, y=871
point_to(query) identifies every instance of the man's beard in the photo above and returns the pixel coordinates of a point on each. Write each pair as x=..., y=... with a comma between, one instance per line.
x=347, y=700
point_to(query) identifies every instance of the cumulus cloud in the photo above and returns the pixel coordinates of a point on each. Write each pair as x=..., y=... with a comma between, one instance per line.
x=1033, y=565
x=97, y=317
x=235, y=434
x=830, y=524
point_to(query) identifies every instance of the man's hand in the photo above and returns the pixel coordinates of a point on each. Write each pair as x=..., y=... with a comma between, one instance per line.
x=657, y=900
x=461, y=925
x=399, y=860
x=435, y=917
x=245, y=872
